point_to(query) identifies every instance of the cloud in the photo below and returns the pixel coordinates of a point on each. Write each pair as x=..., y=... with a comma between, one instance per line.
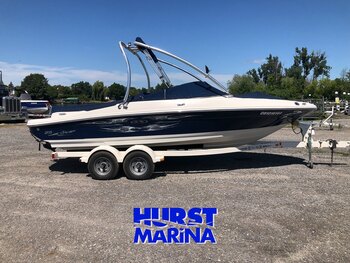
x=15, y=73
x=258, y=61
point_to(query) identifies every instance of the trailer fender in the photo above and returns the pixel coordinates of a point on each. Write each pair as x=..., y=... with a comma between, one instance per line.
x=107, y=148
x=155, y=158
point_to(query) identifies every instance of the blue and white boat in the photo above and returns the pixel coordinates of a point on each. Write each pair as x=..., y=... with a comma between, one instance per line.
x=35, y=107
x=192, y=115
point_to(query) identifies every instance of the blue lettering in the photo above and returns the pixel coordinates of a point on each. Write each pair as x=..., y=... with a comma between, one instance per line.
x=177, y=215
x=208, y=236
x=195, y=236
x=210, y=213
x=172, y=235
x=165, y=214
x=159, y=236
x=190, y=228
x=143, y=237
x=194, y=215
x=156, y=216
x=138, y=216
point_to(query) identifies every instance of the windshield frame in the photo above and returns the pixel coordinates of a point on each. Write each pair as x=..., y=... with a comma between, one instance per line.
x=140, y=47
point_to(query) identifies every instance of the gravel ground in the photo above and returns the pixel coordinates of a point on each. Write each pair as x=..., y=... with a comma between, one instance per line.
x=272, y=208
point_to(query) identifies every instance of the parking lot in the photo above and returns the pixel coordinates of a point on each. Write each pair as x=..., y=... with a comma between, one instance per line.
x=271, y=207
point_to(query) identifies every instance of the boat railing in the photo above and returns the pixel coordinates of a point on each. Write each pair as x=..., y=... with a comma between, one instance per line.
x=154, y=61
x=128, y=83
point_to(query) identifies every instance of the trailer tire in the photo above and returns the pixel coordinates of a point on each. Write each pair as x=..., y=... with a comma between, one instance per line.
x=138, y=165
x=103, y=165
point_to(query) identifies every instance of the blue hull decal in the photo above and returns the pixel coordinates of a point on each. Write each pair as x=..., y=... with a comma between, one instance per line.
x=163, y=124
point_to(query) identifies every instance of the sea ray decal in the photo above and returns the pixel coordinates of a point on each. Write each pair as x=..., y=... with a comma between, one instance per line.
x=61, y=133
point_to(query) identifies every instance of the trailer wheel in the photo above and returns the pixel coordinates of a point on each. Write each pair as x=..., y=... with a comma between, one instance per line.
x=103, y=166
x=138, y=165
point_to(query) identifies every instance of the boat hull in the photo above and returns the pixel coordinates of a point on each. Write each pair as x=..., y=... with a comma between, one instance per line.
x=36, y=106
x=204, y=129
x=233, y=138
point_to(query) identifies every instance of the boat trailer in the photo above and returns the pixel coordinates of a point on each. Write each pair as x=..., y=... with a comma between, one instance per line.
x=138, y=160
x=308, y=131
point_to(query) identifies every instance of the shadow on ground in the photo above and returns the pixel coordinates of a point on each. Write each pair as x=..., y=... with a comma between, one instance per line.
x=225, y=162
x=69, y=165
x=201, y=164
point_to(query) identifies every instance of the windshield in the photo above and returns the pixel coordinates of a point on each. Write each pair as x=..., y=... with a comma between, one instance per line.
x=197, y=89
x=3, y=92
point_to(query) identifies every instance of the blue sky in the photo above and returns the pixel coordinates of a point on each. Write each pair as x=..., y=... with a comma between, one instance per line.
x=70, y=41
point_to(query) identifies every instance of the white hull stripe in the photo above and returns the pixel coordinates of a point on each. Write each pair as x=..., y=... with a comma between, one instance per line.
x=231, y=138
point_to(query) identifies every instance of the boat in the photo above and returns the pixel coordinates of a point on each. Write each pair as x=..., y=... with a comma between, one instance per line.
x=71, y=100
x=35, y=107
x=195, y=115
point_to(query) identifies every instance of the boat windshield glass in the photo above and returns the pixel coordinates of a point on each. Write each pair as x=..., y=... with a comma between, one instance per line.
x=3, y=92
x=197, y=89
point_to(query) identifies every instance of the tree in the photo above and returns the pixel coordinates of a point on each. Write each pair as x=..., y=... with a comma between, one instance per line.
x=18, y=91
x=134, y=91
x=36, y=85
x=326, y=88
x=271, y=71
x=254, y=74
x=295, y=71
x=160, y=86
x=241, y=84
x=116, y=91
x=342, y=85
x=99, y=91
x=319, y=63
x=305, y=63
x=144, y=91
x=288, y=89
x=82, y=89
x=52, y=93
x=304, y=60
x=62, y=91
x=105, y=94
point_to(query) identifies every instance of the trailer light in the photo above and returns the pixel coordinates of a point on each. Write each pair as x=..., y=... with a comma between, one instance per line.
x=54, y=156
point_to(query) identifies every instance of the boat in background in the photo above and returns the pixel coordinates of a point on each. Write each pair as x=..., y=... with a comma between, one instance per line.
x=71, y=100
x=35, y=108
x=188, y=116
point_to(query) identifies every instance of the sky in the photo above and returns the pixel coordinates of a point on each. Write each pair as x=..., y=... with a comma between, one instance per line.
x=71, y=41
